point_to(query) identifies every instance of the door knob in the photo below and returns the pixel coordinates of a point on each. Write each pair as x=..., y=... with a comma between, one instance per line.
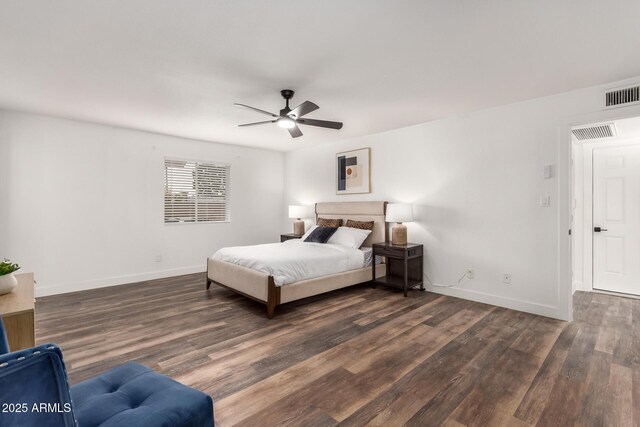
x=598, y=229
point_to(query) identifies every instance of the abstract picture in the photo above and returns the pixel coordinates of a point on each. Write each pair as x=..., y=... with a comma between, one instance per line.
x=352, y=172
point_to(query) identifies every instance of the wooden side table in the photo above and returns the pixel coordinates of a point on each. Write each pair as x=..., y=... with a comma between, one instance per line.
x=18, y=313
x=289, y=236
x=404, y=265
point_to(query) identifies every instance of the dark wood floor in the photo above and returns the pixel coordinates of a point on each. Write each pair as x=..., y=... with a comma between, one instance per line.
x=361, y=356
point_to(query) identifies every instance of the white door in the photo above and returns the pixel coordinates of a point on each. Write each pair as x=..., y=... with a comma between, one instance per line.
x=616, y=219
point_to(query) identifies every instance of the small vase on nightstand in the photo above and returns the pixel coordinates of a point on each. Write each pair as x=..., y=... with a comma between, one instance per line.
x=8, y=283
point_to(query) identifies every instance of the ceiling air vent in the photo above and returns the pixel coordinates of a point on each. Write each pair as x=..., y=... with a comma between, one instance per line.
x=604, y=130
x=622, y=97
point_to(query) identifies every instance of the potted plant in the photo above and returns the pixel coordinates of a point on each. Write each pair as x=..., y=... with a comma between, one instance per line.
x=8, y=281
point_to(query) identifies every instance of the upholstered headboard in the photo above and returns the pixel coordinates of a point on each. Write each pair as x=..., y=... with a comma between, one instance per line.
x=358, y=211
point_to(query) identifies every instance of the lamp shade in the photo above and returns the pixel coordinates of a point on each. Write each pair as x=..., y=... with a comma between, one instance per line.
x=399, y=212
x=299, y=211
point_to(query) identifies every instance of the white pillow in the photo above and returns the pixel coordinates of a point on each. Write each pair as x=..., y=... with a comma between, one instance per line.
x=350, y=237
x=309, y=231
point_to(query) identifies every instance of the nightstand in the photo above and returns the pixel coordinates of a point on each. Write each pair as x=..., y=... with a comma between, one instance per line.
x=17, y=310
x=404, y=265
x=289, y=236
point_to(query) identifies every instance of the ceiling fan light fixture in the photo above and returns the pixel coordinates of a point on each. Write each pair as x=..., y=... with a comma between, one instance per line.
x=289, y=119
x=286, y=123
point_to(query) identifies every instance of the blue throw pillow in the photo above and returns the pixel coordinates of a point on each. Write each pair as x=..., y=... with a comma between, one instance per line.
x=320, y=234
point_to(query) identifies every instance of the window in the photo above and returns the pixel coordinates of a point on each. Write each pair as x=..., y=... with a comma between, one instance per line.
x=195, y=191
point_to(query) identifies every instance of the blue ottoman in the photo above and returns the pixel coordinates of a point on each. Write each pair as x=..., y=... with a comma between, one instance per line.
x=134, y=395
x=35, y=390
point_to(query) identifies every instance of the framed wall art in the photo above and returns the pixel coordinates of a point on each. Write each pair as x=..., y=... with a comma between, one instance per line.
x=353, y=172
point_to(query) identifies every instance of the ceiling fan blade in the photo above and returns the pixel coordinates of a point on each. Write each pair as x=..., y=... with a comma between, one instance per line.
x=258, y=123
x=303, y=109
x=295, y=131
x=320, y=123
x=257, y=109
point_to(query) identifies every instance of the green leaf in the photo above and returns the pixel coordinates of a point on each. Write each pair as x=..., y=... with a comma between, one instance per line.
x=7, y=267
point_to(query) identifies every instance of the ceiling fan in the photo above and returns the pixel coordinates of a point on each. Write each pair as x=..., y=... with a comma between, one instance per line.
x=290, y=119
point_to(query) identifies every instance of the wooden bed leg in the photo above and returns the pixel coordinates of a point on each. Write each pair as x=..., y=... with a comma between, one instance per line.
x=271, y=310
x=273, y=298
x=208, y=280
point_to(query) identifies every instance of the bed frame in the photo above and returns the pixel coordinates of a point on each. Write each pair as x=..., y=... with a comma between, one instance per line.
x=261, y=287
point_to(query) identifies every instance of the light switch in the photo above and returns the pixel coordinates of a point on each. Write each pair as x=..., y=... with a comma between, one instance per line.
x=548, y=171
x=545, y=201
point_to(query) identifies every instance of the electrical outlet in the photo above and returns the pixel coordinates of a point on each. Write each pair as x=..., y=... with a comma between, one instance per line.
x=506, y=278
x=157, y=258
x=469, y=272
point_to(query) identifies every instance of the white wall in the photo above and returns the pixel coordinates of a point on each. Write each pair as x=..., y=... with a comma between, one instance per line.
x=81, y=205
x=475, y=182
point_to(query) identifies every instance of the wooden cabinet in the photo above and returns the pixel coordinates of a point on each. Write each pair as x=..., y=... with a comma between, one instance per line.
x=404, y=265
x=18, y=313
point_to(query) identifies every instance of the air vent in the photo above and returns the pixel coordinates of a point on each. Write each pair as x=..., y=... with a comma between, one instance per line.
x=605, y=130
x=622, y=97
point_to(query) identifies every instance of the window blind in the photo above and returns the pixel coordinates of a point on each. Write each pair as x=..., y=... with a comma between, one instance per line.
x=195, y=191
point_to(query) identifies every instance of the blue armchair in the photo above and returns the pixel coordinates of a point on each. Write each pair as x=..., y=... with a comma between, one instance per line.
x=34, y=391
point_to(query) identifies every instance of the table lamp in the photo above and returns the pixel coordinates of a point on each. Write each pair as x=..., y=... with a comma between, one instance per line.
x=298, y=212
x=399, y=213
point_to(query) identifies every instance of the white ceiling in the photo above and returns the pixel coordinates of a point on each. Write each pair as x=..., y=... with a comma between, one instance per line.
x=177, y=67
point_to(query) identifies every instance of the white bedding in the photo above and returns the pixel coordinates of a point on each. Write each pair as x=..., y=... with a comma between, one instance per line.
x=368, y=256
x=294, y=260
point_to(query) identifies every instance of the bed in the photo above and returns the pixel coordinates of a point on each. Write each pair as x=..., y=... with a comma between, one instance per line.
x=274, y=291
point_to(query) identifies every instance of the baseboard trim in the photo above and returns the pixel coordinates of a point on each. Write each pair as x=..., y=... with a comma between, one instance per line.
x=506, y=302
x=577, y=286
x=115, y=281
